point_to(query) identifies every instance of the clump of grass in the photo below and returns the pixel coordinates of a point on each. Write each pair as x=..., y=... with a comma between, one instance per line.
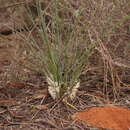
x=64, y=35
x=58, y=46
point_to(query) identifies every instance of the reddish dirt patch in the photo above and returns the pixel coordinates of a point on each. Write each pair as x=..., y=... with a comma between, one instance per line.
x=115, y=118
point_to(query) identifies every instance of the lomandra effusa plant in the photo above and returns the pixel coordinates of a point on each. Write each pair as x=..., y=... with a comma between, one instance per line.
x=58, y=46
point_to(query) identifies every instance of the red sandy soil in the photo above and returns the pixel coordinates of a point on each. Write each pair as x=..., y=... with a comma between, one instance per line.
x=111, y=117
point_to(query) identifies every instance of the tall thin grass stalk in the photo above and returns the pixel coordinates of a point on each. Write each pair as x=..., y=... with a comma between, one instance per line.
x=58, y=46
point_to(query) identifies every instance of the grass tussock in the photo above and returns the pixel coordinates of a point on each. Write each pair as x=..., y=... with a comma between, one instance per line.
x=63, y=35
x=58, y=48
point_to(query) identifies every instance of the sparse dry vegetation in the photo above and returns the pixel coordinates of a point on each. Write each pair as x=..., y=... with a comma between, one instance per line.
x=64, y=42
